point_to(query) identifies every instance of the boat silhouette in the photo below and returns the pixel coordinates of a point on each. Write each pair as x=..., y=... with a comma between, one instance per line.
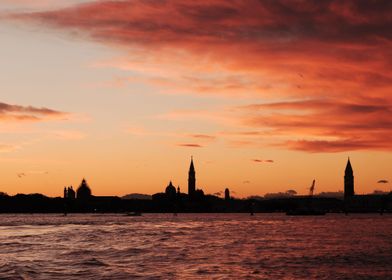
x=133, y=214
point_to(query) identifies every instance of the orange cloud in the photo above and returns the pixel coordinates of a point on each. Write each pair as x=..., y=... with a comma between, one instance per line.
x=312, y=42
x=332, y=57
x=325, y=125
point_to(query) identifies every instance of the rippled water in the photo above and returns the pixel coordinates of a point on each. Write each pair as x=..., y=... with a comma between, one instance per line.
x=195, y=246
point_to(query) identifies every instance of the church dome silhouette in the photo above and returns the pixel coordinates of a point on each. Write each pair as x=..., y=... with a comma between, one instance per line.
x=83, y=191
x=170, y=190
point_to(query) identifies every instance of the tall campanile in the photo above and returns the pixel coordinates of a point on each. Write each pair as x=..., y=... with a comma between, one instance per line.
x=191, y=180
x=348, y=181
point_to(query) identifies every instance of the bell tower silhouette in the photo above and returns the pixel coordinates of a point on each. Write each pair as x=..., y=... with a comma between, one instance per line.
x=191, y=180
x=348, y=181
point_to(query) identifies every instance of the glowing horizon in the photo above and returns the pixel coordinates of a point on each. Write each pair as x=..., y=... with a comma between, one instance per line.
x=266, y=95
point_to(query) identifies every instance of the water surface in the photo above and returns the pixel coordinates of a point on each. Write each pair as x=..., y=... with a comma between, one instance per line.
x=195, y=246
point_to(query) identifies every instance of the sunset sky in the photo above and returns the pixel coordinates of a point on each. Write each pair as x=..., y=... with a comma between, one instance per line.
x=266, y=95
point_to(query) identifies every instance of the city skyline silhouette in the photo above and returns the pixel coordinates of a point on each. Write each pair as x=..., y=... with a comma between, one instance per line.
x=195, y=199
x=347, y=187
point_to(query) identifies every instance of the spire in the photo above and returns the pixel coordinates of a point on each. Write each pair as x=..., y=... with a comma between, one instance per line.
x=349, y=168
x=192, y=167
x=348, y=181
x=191, y=179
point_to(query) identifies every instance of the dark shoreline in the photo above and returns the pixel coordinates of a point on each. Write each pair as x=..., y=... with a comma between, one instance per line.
x=37, y=203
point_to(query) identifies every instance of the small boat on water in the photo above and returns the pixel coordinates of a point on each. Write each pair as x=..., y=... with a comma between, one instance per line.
x=133, y=214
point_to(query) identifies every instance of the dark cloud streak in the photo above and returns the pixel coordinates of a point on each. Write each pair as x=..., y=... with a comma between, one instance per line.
x=263, y=160
x=190, y=145
x=383, y=181
x=10, y=112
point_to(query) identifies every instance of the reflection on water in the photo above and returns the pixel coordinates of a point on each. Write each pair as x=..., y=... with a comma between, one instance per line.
x=195, y=246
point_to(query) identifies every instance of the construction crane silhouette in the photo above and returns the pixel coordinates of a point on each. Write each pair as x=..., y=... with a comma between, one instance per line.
x=311, y=189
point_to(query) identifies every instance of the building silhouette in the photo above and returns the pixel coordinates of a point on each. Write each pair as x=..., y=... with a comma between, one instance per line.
x=191, y=180
x=170, y=191
x=84, y=191
x=348, y=181
x=174, y=196
x=227, y=194
x=69, y=193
